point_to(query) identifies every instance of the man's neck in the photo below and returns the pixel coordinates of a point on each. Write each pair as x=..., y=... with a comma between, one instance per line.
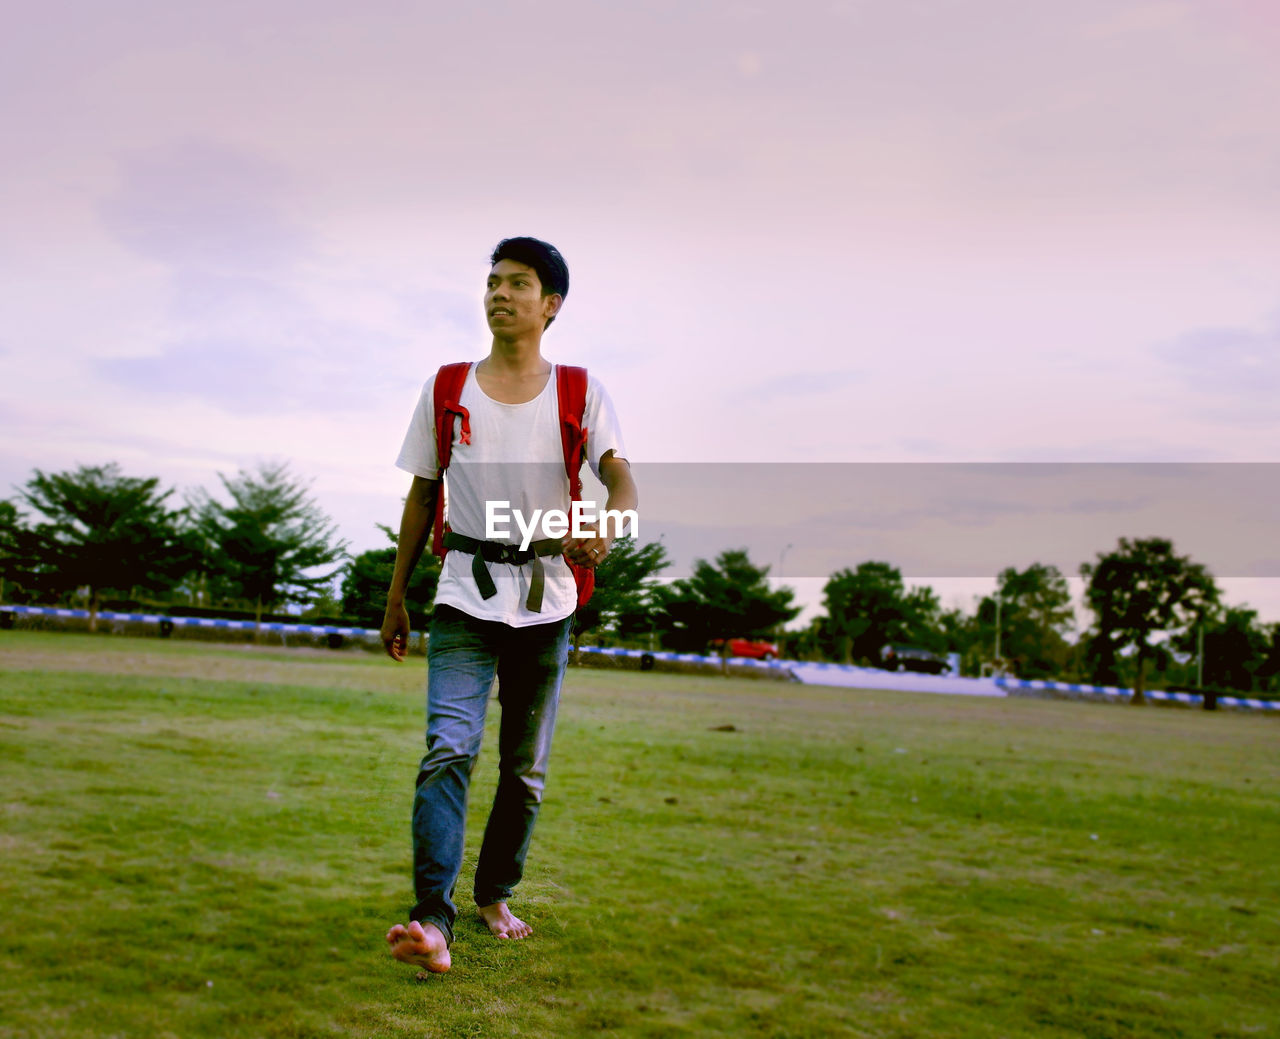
x=516, y=357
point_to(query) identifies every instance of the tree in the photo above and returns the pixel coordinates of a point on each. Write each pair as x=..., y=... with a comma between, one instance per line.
x=922, y=618
x=323, y=606
x=368, y=576
x=1270, y=666
x=102, y=531
x=869, y=608
x=11, y=527
x=1035, y=617
x=623, y=600
x=810, y=643
x=959, y=634
x=728, y=599
x=264, y=545
x=1138, y=590
x=864, y=610
x=1235, y=647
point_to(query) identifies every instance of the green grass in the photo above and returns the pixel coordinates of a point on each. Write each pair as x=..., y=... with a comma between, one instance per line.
x=203, y=840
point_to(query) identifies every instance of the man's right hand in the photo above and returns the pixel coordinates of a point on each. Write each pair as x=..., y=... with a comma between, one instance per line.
x=395, y=631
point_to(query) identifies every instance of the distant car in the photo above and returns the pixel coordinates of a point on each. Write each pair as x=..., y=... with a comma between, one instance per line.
x=748, y=648
x=914, y=658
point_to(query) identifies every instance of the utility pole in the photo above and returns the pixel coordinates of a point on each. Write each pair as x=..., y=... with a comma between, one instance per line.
x=997, y=625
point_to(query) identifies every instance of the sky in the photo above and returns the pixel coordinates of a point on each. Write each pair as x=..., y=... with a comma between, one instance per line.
x=842, y=232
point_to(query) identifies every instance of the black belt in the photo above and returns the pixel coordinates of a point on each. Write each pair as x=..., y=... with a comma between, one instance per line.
x=483, y=552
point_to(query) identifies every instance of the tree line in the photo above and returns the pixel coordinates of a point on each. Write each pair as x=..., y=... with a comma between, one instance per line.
x=264, y=543
x=92, y=532
x=1155, y=613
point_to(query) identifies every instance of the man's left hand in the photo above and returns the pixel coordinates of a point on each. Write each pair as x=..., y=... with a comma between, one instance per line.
x=589, y=551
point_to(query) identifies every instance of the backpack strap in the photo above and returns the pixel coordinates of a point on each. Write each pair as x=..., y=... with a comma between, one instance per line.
x=571, y=394
x=448, y=389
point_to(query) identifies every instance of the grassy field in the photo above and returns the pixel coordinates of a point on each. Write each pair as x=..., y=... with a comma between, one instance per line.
x=211, y=841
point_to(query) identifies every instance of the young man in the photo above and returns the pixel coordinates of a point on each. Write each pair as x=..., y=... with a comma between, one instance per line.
x=510, y=452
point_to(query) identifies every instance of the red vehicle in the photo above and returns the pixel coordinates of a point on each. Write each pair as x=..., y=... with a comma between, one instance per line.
x=748, y=648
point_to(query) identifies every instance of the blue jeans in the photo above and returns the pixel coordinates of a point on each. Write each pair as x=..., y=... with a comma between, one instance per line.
x=463, y=655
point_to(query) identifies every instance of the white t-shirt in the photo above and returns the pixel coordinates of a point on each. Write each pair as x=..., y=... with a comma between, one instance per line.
x=515, y=456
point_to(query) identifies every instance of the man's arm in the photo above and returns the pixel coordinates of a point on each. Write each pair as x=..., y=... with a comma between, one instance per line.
x=615, y=474
x=415, y=528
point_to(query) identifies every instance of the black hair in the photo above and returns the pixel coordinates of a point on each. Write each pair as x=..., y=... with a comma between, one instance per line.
x=543, y=257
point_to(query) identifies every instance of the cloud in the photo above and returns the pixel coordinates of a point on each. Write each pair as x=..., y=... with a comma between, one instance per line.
x=1132, y=448
x=1234, y=372
x=205, y=206
x=244, y=343
x=249, y=320
x=924, y=446
x=294, y=359
x=435, y=308
x=803, y=384
x=240, y=377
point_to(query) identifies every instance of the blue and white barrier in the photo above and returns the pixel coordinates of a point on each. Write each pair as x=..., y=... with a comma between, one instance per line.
x=1159, y=695
x=810, y=673
x=851, y=676
x=194, y=622
x=686, y=658
x=329, y=629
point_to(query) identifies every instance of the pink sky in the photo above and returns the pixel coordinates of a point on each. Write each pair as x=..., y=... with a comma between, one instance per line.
x=839, y=232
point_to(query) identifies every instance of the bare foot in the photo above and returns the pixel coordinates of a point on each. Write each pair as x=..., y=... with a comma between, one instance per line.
x=502, y=923
x=422, y=945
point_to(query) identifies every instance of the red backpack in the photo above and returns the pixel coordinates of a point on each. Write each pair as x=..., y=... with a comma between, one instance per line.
x=571, y=394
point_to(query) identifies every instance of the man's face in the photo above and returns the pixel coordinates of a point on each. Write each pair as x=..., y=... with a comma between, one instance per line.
x=513, y=300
